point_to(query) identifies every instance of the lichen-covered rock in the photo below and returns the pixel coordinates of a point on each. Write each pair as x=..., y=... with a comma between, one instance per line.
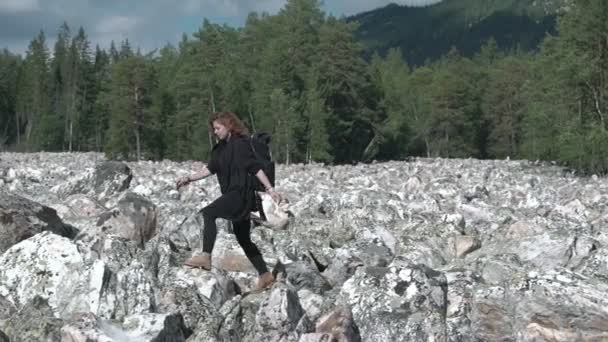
x=174, y=330
x=303, y=274
x=35, y=321
x=47, y=266
x=278, y=316
x=7, y=308
x=340, y=325
x=417, y=250
x=399, y=300
x=182, y=297
x=84, y=327
x=134, y=218
x=110, y=178
x=556, y=306
x=84, y=206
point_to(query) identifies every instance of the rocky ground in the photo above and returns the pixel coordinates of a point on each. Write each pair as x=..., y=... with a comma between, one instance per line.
x=424, y=250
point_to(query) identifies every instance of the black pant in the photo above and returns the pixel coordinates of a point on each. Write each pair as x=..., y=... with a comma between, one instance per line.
x=226, y=206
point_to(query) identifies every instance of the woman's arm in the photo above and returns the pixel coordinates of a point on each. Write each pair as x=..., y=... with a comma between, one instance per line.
x=264, y=180
x=204, y=173
x=269, y=189
x=199, y=175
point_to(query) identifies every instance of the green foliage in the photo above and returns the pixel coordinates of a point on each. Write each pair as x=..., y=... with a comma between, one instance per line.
x=301, y=76
x=9, y=66
x=318, y=148
x=567, y=116
x=132, y=87
x=504, y=105
x=342, y=81
x=453, y=109
x=33, y=100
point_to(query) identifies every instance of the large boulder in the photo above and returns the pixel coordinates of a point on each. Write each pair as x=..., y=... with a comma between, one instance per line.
x=21, y=218
x=86, y=327
x=84, y=206
x=134, y=218
x=552, y=306
x=337, y=325
x=401, y=300
x=182, y=297
x=47, y=266
x=35, y=321
x=280, y=315
x=174, y=330
x=111, y=178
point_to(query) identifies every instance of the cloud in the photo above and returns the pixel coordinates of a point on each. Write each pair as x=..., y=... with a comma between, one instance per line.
x=16, y=6
x=221, y=7
x=268, y=6
x=116, y=23
x=16, y=31
x=232, y=7
x=417, y=2
x=195, y=6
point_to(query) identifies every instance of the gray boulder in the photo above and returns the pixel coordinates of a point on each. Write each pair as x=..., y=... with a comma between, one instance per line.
x=401, y=300
x=134, y=218
x=21, y=218
x=111, y=178
x=33, y=322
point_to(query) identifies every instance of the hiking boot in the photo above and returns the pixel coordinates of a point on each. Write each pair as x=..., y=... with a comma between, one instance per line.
x=264, y=281
x=200, y=261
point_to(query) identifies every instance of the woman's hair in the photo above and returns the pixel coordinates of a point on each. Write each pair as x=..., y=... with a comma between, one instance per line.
x=231, y=121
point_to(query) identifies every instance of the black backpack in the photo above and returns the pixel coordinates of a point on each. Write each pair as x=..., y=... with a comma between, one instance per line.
x=260, y=144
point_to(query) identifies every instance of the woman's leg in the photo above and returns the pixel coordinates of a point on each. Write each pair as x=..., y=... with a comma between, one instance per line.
x=209, y=230
x=225, y=206
x=242, y=230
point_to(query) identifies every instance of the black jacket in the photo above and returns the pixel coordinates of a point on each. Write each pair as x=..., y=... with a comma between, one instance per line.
x=235, y=165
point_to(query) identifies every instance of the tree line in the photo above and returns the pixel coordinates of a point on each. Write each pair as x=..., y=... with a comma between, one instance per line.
x=300, y=75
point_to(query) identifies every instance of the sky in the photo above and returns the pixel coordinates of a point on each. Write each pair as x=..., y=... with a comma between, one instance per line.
x=148, y=24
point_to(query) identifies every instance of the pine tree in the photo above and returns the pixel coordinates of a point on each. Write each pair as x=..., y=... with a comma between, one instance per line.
x=454, y=109
x=33, y=96
x=130, y=100
x=282, y=110
x=419, y=103
x=342, y=84
x=389, y=78
x=60, y=74
x=188, y=134
x=78, y=121
x=318, y=148
x=9, y=66
x=163, y=108
x=101, y=92
x=504, y=105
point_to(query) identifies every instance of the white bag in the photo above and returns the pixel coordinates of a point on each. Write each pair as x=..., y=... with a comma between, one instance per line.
x=277, y=215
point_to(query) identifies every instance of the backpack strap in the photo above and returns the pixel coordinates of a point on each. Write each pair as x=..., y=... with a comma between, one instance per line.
x=255, y=154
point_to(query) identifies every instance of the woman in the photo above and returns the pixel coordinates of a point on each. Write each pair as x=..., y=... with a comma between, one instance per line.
x=232, y=160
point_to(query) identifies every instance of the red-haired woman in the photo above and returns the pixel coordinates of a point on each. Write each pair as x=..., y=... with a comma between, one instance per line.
x=232, y=160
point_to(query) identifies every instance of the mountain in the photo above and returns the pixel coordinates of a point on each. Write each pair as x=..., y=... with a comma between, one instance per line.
x=429, y=32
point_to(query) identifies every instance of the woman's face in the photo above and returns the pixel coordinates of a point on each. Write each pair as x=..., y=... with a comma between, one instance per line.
x=220, y=131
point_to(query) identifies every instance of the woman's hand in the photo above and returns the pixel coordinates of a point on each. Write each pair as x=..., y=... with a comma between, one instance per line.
x=277, y=197
x=183, y=181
